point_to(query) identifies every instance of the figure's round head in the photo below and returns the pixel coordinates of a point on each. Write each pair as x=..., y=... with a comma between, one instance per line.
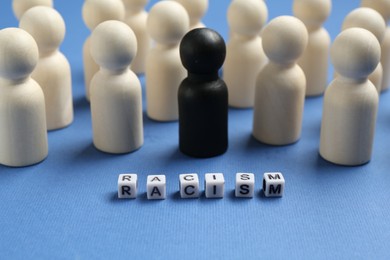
x=46, y=26
x=18, y=54
x=196, y=9
x=135, y=5
x=368, y=19
x=167, y=22
x=381, y=6
x=355, y=53
x=21, y=6
x=284, y=39
x=113, y=45
x=202, y=51
x=312, y=13
x=98, y=11
x=247, y=17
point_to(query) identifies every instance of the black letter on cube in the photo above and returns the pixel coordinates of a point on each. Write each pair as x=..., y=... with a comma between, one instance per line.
x=273, y=184
x=127, y=186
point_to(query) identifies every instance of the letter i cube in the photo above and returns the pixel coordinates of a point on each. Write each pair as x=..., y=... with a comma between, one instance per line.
x=273, y=184
x=245, y=185
x=214, y=185
x=127, y=186
x=156, y=187
x=189, y=185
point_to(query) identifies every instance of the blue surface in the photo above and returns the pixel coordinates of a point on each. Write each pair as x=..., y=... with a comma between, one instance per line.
x=67, y=206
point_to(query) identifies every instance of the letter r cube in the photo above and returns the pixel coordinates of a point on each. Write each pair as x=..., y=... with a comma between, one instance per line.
x=127, y=186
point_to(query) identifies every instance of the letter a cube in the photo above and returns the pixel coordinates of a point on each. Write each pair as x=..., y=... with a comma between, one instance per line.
x=273, y=184
x=156, y=187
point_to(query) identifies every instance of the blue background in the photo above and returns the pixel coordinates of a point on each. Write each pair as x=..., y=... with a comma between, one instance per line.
x=67, y=208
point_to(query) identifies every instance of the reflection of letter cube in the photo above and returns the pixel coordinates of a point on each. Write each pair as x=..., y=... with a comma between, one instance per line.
x=273, y=184
x=214, y=185
x=245, y=185
x=189, y=185
x=156, y=187
x=127, y=186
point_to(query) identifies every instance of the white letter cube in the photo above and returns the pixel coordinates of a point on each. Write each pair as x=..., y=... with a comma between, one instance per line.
x=273, y=184
x=156, y=187
x=214, y=185
x=245, y=185
x=189, y=185
x=127, y=186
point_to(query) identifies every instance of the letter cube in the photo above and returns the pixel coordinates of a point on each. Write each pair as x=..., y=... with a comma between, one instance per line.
x=127, y=186
x=189, y=185
x=245, y=185
x=273, y=184
x=214, y=185
x=156, y=187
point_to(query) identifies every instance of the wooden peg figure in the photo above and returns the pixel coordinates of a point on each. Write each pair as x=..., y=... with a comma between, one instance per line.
x=203, y=96
x=94, y=13
x=281, y=85
x=196, y=9
x=245, y=56
x=315, y=59
x=21, y=6
x=23, y=135
x=136, y=18
x=167, y=23
x=372, y=21
x=116, y=96
x=53, y=71
x=351, y=100
x=383, y=7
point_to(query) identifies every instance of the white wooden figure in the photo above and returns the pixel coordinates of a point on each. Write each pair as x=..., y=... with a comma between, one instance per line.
x=136, y=18
x=53, y=71
x=315, y=59
x=23, y=135
x=196, y=9
x=116, y=96
x=372, y=21
x=94, y=13
x=244, y=53
x=167, y=23
x=21, y=6
x=280, y=87
x=351, y=100
x=383, y=7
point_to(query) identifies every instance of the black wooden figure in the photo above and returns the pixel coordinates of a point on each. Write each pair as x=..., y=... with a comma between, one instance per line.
x=203, y=96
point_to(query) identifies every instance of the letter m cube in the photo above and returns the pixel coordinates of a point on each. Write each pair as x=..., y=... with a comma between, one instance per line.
x=273, y=184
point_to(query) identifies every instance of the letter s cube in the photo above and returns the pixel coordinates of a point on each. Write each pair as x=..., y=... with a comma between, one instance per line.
x=245, y=185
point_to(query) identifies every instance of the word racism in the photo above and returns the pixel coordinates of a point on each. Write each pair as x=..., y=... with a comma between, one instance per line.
x=273, y=185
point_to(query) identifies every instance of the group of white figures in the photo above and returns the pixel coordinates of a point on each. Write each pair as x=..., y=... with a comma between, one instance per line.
x=295, y=64
x=271, y=69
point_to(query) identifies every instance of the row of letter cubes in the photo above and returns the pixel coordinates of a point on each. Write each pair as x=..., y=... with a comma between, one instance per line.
x=273, y=185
